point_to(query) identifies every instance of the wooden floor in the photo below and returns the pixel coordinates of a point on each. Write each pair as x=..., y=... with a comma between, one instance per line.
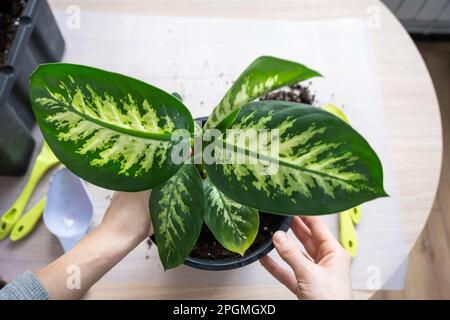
x=428, y=274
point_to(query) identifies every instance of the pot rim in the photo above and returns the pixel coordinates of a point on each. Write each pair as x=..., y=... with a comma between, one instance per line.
x=238, y=262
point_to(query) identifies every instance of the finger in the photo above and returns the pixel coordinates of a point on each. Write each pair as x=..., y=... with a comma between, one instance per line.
x=291, y=254
x=281, y=274
x=319, y=231
x=303, y=234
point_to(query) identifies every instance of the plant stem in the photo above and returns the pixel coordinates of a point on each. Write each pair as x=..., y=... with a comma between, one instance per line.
x=201, y=169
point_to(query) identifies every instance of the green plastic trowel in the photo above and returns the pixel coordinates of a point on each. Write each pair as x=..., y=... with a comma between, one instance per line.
x=44, y=161
x=28, y=221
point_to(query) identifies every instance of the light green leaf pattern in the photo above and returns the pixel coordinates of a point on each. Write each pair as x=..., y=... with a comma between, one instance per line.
x=263, y=75
x=235, y=226
x=323, y=165
x=111, y=130
x=126, y=137
x=295, y=152
x=177, y=212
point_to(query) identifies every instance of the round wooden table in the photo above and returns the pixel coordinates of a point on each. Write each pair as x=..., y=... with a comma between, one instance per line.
x=410, y=107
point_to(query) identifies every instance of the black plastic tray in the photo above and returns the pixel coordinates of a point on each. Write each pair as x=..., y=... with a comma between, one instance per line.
x=37, y=40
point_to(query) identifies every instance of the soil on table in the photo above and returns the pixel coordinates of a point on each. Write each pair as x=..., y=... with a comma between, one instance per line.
x=209, y=248
x=296, y=93
x=10, y=11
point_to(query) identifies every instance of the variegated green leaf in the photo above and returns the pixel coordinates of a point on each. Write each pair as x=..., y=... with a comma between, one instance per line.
x=109, y=129
x=234, y=225
x=265, y=74
x=177, y=210
x=322, y=165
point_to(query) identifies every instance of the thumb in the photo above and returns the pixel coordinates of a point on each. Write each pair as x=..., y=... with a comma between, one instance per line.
x=291, y=254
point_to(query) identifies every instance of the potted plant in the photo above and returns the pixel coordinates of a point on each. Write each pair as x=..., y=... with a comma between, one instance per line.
x=216, y=188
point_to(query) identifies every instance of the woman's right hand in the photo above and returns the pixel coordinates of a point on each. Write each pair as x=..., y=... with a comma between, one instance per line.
x=322, y=273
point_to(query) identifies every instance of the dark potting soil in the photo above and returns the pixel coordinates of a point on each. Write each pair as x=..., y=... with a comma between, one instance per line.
x=295, y=93
x=209, y=248
x=10, y=11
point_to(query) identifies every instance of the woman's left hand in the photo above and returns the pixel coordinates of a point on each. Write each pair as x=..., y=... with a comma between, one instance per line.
x=128, y=216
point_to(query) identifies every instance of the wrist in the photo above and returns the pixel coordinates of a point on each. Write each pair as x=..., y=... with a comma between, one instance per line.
x=119, y=240
x=128, y=217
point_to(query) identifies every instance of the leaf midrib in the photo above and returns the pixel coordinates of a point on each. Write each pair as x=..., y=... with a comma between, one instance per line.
x=285, y=163
x=131, y=132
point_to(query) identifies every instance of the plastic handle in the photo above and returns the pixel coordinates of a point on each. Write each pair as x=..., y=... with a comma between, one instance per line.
x=356, y=214
x=28, y=221
x=335, y=111
x=348, y=234
x=10, y=218
x=44, y=162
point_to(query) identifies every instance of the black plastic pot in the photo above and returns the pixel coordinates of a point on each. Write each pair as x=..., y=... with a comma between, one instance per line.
x=238, y=261
x=37, y=40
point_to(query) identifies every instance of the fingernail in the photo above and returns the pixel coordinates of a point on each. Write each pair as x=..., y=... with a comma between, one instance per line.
x=280, y=237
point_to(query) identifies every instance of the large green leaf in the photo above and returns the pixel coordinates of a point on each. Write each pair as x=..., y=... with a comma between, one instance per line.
x=265, y=74
x=235, y=226
x=177, y=210
x=322, y=164
x=109, y=129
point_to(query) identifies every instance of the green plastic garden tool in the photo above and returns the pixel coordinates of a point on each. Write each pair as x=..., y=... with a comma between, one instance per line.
x=356, y=214
x=335, y=111
x=348, y=218
x=44, y=161
x=28, y=221
x=347, y=235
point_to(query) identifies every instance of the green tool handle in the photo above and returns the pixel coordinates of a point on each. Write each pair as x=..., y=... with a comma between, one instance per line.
x=10, y=218
x=348, y=236
x=28, y=221
x=356, y=214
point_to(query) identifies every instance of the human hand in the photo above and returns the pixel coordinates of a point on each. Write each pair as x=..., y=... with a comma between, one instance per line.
x=322, y=273
x=128, y=216
x=126, y=224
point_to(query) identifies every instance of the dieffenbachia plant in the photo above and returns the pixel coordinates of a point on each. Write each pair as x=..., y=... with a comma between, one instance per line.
x=117, y=132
